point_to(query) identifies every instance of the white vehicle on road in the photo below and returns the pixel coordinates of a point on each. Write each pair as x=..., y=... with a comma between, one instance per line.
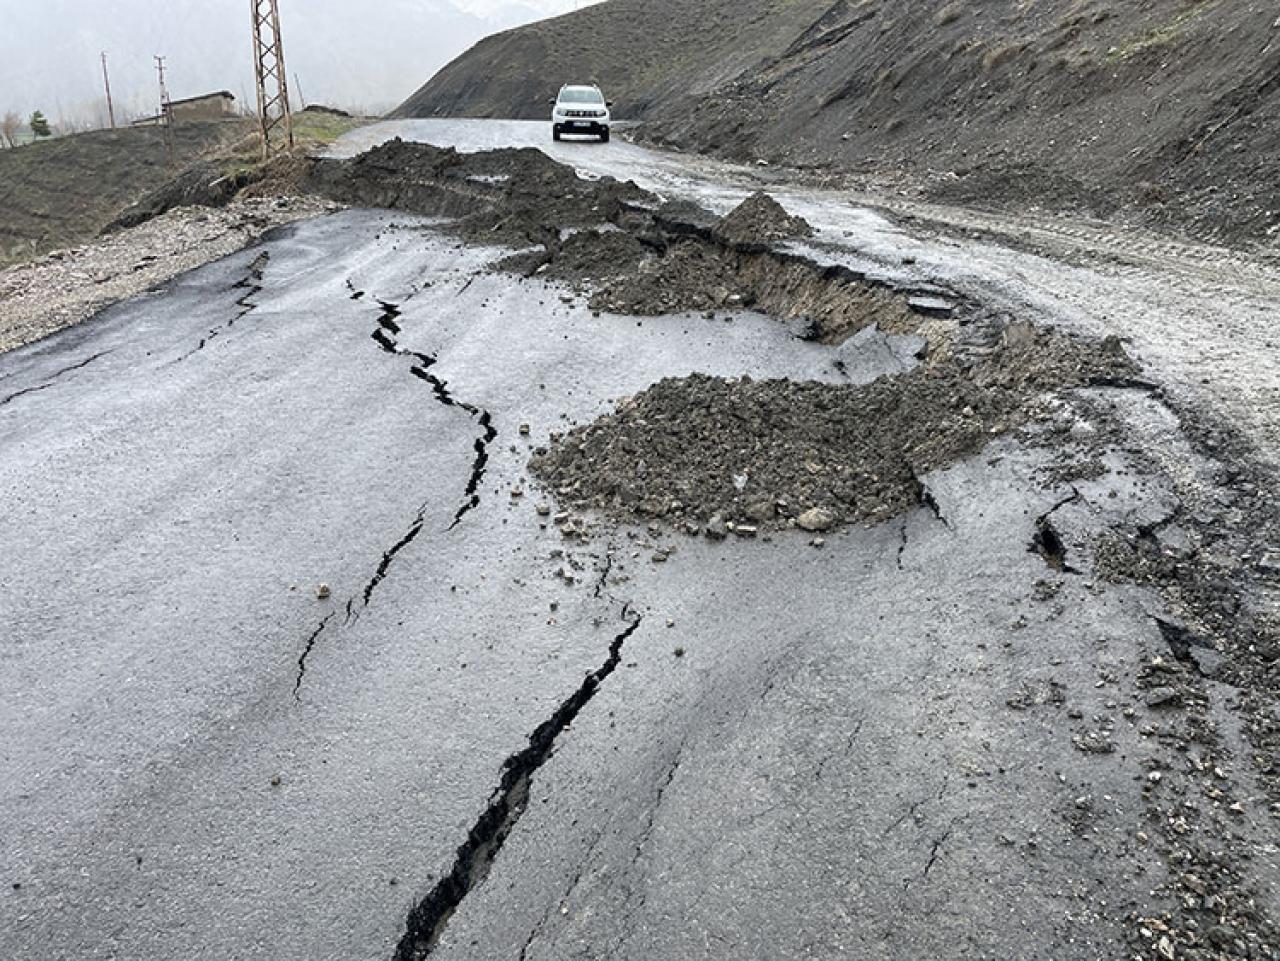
x=581, y=110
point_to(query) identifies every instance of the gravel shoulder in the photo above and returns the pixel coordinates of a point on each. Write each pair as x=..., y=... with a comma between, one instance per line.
x=66, y=287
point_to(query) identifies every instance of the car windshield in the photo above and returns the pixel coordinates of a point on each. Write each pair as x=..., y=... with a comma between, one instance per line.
x=580, y=95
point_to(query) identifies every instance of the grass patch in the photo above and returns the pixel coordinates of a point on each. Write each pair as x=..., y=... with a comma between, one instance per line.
x=1160, y=37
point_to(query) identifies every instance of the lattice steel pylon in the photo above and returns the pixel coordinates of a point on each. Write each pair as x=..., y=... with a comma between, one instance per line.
x=275, y=123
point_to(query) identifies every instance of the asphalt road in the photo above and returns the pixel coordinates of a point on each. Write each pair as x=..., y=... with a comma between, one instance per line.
x=201, y=758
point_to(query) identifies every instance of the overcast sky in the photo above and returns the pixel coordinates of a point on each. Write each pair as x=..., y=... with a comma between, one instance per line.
x=364, y=54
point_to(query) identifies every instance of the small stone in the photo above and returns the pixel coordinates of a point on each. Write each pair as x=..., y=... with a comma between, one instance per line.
x=1094, y=742
x=1208, y=662
x=717, y=530
x=1162, y=697
x=818, y=542
x=562, y=517
x=761, y=511
x=524, y=430
x=323, y=592
x=544, y=510
x=660, y=557
x=516, y=493
x=678, y=652
x=746, y=530
x=816, y=519
x=275, y=780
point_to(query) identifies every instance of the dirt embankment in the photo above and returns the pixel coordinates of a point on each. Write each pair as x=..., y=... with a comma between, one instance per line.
x=1165, y=112
x=61, y=192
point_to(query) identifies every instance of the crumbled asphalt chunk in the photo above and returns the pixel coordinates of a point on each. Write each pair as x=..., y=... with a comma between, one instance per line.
x=703, y=447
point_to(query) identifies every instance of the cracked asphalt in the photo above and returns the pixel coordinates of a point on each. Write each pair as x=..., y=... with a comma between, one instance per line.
x=753, y=750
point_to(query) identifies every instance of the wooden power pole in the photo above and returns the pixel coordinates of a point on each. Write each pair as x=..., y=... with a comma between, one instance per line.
x=275, y=123
x=106, y=82
x=166, y=112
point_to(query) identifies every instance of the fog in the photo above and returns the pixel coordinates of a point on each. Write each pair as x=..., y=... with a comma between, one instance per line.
x=362, y=56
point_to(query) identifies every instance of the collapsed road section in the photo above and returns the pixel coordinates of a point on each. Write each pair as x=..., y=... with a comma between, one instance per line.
x=852, y=735
x=723, y=456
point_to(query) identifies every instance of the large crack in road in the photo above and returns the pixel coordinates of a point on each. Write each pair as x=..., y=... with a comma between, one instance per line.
x=430, y=916
x=386, y=335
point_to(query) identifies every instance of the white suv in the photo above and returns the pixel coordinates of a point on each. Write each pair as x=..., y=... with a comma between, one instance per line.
x=581, y=110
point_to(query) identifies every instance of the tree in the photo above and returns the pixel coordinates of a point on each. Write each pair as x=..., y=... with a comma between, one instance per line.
x=9, y=126
x=40, y=126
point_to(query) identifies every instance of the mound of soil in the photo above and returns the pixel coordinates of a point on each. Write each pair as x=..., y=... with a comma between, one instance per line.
x=761, y=220
x=782, y=453
x=215, y=183
x=687, y=275
x=204, y=185
x=514, y=197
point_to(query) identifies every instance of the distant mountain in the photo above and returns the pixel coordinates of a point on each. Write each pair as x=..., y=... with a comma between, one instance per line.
x=366, y=56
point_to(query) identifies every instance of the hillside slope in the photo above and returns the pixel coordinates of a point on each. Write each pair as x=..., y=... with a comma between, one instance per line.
x=59, y=192
x=1159, y=110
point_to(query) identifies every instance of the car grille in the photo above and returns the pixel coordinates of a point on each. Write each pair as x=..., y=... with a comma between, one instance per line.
x=583, y=113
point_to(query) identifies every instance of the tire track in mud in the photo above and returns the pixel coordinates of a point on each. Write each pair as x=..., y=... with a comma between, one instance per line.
x=386, y=335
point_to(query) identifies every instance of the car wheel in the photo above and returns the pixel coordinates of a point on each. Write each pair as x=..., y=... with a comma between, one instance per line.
x=555, y=134
x=604, y=136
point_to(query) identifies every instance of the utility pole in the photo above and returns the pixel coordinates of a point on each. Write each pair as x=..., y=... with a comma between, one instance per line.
x=275, y=123
x=166, y=112
x=106, y=82
x=297, y=85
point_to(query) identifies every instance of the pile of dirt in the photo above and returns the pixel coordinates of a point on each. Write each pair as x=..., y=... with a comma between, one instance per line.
x=215, y=183
x=206, y=184
x=761, y=220
x=61, y=192
x=745, y=455
x=513, y=196
x=614, y=241
x=679, y=257
x=1163, y=112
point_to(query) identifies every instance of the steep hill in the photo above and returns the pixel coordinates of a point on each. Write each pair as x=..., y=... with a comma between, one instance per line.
x=1157, y=110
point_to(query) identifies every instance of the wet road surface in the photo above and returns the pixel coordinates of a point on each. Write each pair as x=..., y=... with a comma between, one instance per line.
x=203, y=759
